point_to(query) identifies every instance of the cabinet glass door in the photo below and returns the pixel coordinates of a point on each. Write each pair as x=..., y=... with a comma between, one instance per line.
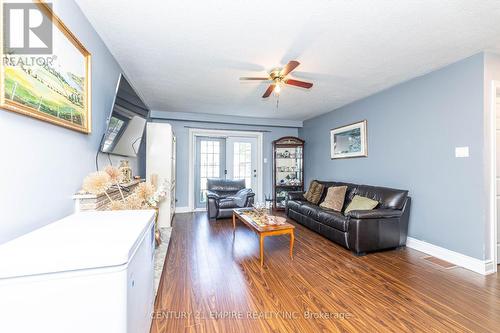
x=288, y=168
x=288, y=172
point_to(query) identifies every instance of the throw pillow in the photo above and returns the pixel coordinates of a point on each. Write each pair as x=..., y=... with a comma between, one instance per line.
x=314, y=192
x=334, y=199
x=361, y=203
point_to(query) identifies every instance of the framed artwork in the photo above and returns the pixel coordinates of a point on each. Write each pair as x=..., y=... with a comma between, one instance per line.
x=52, y=86
x=349, y=141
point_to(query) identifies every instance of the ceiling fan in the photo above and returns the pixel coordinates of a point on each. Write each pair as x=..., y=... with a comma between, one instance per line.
x=278, y=76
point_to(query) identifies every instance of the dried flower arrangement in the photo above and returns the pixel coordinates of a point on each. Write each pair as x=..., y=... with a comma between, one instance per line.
x=97, y=183
x=145, y=196
x=158, y=195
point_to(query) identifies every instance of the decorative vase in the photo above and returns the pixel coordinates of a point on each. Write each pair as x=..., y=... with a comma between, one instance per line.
x=126, y=171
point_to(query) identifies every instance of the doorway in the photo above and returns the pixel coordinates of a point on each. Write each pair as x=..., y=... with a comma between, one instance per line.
x=223, y=154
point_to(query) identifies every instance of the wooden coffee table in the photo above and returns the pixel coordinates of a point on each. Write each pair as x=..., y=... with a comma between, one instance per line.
x=264, y=230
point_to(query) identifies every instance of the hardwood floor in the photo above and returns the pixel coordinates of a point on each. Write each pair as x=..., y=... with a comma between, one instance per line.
x=213, y=282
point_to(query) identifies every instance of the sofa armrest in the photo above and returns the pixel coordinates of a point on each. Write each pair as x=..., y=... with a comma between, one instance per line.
x=295, y=195
x=212, y=195
x=374, y=213
x=212, y=204
x=368, y=235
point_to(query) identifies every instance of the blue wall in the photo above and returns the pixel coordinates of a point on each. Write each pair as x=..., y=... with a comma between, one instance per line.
x=43, y=165
x=413, y=129
x=181, y=129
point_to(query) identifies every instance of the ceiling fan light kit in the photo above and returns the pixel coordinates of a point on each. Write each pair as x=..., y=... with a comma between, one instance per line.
x=278, y=76
x=277, y=89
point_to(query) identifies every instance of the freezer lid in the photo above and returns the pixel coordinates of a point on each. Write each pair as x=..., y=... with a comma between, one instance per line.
x=80, y=241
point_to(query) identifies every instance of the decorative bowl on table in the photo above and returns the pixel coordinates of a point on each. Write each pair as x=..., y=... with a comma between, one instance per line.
x=263, y=208
x=260, y=208
x=261, y=213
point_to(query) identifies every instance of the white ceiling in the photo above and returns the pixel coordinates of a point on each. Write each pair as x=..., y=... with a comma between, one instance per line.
x=187, y=55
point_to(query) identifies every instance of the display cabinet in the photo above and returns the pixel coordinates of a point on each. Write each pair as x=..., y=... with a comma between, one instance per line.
x=288, y=168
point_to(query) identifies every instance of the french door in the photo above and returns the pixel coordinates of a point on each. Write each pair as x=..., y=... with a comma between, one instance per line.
x=209, y=163
x=242, y=160
x=228, y=157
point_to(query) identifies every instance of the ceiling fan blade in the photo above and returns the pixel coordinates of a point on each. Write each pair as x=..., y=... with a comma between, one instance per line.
x=289, y=67
x=268, y=91
x=254, y=78
x=298, y=83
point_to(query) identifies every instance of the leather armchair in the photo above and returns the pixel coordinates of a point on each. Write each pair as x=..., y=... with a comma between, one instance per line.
x=223, y=195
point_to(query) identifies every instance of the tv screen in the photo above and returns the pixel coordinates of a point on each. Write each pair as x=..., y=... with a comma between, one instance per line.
x=126, y=123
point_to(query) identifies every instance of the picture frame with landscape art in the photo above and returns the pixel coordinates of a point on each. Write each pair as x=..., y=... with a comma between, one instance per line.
x=56, y=90
x=349, y=141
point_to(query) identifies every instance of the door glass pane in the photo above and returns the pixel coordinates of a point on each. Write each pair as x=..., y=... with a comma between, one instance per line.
x=209, y=164
x=242, y=164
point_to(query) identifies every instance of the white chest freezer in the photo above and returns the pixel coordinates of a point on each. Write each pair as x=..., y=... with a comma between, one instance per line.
x=89, y=272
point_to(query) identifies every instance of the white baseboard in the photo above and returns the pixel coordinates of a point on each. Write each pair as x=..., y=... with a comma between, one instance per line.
x=490, y=267
x=483, y=267
x=182, y=210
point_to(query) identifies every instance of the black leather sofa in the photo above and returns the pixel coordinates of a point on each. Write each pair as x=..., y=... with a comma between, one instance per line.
x=223, y=195
x=384, y=227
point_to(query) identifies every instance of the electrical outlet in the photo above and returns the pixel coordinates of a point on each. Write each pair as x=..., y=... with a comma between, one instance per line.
x=461, y=152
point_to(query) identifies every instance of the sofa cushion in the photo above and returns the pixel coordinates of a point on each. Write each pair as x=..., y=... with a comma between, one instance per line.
x=222, y=184
x=227, y=203
x=309, y=210
x=225, y=187
x=351, y=191
x=314, y=193
x=333, y=219
x=225, y=194
x=387, y=197
x=334, y=199
x=361, y=203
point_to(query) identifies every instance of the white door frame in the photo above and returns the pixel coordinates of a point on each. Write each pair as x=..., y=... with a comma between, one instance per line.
x=195, y=132
x=495, y=87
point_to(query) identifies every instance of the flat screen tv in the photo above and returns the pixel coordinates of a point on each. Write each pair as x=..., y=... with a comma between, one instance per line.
x=126, y=123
